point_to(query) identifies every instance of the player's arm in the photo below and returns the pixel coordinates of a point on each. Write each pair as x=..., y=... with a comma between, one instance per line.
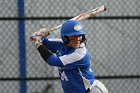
x=78, y=58
x=45, y=53
x=48, y=56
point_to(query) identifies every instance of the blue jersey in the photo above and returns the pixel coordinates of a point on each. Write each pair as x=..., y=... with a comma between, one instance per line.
x=73, y=64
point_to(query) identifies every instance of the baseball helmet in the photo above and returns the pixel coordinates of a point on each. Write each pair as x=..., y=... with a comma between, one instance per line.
x=72, y=28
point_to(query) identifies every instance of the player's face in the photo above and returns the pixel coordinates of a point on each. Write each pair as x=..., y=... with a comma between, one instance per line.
x=75, y=41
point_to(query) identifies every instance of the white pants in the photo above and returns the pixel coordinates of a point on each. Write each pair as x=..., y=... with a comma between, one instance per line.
x=98, y=87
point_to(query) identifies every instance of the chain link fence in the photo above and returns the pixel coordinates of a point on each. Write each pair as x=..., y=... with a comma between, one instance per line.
x=113, y=41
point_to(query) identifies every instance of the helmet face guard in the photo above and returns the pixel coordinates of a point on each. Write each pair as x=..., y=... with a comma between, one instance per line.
x=66, y=39
x=72, y=28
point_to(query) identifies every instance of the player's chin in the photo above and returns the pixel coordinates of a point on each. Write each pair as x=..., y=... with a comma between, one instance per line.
x=76, y=46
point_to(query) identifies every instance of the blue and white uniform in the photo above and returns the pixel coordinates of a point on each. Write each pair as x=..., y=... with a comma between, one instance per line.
x=73, y=64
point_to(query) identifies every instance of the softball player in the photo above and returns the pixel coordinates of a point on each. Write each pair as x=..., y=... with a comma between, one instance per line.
x=72, y=59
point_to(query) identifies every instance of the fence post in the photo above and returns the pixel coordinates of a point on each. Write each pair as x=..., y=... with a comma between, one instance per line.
x=22, y=48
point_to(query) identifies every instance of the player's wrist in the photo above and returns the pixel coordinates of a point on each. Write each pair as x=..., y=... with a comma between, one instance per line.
x=38, y=43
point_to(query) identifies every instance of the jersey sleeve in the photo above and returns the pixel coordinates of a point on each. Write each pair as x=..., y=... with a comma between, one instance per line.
x=79, y=58
x=54, y=61
x=52, y=44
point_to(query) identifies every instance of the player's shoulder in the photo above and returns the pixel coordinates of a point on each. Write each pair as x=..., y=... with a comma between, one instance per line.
x=81, y=51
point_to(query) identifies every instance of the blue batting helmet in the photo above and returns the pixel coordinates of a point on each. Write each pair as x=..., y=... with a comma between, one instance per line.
x=72, y=28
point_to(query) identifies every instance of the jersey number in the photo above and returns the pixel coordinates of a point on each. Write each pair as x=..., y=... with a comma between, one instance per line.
x=64, y=77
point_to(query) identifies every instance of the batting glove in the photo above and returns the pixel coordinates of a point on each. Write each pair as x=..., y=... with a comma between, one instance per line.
x=42, y=33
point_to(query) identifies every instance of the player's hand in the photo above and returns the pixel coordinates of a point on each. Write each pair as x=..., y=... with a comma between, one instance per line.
x=36, y=38
x=42, y=33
